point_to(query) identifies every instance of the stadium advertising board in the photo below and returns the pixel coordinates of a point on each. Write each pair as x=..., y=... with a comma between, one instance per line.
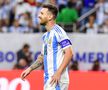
x=10, y=80
x=87, y=48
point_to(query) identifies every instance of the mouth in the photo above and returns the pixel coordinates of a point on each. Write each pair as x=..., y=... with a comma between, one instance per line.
x=39, y=17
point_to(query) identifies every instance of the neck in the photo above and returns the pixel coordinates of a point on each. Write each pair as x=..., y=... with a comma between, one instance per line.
x=50, y=25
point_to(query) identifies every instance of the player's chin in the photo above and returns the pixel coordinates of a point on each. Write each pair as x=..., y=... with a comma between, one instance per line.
x=42, y=23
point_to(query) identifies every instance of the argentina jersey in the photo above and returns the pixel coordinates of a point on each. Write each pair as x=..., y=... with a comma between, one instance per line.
x=54, y=43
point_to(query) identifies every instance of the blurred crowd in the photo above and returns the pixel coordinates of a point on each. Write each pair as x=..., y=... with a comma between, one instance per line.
x=21, y=16
x=25, y=59
x=74, y=66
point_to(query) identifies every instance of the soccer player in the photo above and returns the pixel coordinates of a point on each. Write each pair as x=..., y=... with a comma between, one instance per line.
x=56, y=53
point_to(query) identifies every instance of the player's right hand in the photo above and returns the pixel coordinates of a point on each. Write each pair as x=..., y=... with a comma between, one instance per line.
x=25, y=73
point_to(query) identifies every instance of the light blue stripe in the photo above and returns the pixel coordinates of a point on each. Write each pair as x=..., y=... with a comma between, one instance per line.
x=58, y=87
x=43, y=37
x=45, y=69
x=55, y=50
x=45, y=61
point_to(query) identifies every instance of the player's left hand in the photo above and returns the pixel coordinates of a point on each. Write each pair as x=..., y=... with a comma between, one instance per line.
x=55, y=78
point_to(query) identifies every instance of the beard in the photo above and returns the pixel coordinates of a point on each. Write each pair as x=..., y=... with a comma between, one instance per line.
x=42, y=23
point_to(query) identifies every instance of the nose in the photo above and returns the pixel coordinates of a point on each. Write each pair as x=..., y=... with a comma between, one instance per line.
x=39, y=16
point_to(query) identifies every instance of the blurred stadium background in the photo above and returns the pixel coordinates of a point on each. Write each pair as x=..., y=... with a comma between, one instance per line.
x=86, y=23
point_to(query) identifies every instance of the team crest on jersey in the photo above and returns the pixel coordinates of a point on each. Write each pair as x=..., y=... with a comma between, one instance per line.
x=46, y=40
x=50, y=40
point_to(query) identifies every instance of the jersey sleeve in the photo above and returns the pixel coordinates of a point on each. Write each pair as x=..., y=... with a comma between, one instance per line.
x=63, y=40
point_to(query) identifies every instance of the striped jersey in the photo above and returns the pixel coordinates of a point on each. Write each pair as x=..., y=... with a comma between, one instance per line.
x=54, y=43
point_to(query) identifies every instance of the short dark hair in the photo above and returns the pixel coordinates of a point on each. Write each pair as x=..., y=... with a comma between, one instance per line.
x=26, y=46
x=52, y=8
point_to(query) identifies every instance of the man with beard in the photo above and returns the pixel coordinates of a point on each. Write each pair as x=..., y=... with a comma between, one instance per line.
x=56, y=53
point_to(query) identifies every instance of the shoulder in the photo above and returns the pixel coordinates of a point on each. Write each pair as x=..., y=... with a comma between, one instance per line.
x=58, y=29
x=59, y=32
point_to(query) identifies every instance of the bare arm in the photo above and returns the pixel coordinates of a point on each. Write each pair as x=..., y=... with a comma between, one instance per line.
x=35, y=65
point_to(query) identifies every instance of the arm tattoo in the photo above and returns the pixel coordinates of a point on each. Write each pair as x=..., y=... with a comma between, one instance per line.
x=37, y=63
